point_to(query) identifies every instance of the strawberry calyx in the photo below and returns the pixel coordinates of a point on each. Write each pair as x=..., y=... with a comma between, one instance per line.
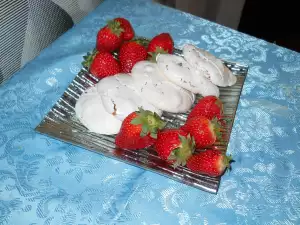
x=158, y=50
x=225, y=162
x=89, y=58
x=115, y=27
x=226, y=120
x=183, y=152
x=151, y=122
x=215, y=127
x=141, y=41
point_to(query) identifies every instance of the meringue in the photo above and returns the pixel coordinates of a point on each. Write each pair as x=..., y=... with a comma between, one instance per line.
x=158, y=90
x=120, y=98
x=181, y=73
x=91, y=113
x=212, y=67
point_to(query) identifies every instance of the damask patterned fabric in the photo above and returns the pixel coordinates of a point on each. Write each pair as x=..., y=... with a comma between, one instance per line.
x=45, y=181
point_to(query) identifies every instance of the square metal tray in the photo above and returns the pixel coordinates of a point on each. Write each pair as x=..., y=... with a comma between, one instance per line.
x=61, y=123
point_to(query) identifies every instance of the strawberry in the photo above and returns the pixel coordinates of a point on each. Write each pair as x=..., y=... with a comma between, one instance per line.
x=210, y=162
x=175, y=146
x=204, y=131
x=139, y=130
x=104, y=64
x=162, y=43
x=110, y=37
x=131, y=53
x=128, y=30
x=209, y=107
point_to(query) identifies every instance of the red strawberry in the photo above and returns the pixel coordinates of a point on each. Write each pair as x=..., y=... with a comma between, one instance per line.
x=162, y=43
x=128, y=30
x=174, y=145
x=104, y=64
x=139, y=130
x=204, y=131
x=209, y=107
x=110, y=37
x=131, y=53
x=210, y=162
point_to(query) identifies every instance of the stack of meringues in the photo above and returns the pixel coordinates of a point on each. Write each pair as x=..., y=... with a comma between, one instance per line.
x=168, y=85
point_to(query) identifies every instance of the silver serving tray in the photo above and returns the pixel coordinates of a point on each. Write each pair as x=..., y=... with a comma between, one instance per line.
x=61, y=123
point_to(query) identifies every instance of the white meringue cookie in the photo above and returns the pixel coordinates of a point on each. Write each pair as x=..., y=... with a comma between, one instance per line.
x=213, y=67
x=120, y=98
x=181, y=73
x=91, y=113
x=160, y=92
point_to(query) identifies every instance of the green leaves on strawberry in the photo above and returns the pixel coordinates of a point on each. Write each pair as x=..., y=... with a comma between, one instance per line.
x=150, y=121
x=142, y=41
x=139, y=130
x=175, y=146
x=89, y=58
x=209, y=162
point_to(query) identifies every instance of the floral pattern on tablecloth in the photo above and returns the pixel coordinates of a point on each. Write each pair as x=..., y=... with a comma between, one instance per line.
x=45, y=181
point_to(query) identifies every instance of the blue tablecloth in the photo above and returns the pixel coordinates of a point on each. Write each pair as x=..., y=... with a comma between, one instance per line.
x=45, y=181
